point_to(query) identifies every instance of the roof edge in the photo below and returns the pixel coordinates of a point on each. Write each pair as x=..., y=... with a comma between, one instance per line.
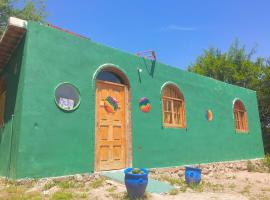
x=11, y=37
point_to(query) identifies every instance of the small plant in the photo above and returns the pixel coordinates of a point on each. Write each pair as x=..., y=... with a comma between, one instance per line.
x=250, y=166
x=246, y=189
x=266, y=161
x=184, y=187
x=66, y=184
x=49, y=185
x=136, y=171
x=174, y=192
x=232, y=186
x=172, y=181
x=116, y=196
x=196, y=187
x=62, y=196
x=83, y=196
x=97, y=183
x=213, y=187
x=31, y=196
x=112, y=189
x=175, y=181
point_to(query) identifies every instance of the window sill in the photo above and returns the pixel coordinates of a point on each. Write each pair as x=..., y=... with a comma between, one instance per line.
x=241, y=132
x=174, y=127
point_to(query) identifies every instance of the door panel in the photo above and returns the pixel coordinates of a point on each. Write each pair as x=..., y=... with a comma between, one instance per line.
x=110, y=128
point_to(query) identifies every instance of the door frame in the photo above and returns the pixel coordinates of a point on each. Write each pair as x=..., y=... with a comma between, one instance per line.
x=128, y=129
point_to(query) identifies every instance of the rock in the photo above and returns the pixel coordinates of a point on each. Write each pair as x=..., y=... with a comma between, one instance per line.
x=181, y=173
x=42, y=182
x=78, y=177
x=51, y=191
x=109, y=182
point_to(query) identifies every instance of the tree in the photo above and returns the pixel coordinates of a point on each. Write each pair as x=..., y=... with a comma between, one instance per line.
x=237, y=66
x=27, y=10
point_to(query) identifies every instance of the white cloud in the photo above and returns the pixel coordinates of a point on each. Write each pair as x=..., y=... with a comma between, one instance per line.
x=173, y=27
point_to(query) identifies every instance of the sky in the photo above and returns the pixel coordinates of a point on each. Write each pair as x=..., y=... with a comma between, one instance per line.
x=177, y=30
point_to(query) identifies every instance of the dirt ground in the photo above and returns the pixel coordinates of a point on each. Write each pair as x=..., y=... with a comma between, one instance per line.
x=231, y=181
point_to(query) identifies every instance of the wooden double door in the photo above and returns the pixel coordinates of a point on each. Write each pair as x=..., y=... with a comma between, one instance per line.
x=111, y=140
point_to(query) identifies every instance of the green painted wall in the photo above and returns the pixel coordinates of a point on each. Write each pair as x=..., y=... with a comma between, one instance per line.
x=9, y=132
x=53, y=143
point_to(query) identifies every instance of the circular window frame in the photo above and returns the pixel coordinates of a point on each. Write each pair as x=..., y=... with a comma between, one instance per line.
x=55, y=100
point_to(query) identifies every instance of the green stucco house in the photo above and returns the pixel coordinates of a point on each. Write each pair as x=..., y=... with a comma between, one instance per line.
x=70, y=105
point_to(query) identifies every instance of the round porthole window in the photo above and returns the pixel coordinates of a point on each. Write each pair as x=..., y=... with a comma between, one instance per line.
x=67, y=96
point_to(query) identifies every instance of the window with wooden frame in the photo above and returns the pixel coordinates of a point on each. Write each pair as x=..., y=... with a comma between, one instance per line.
x=240, y=117
x=173, y=107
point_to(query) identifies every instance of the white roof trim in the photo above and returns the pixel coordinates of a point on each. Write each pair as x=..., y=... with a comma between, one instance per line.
x=13, y=21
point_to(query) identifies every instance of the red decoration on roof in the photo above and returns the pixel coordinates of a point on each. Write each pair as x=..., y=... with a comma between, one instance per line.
x=66, y=31
x=148, y=54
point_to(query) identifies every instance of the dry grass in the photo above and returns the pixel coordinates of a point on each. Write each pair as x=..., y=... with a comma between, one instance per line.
x=249, y=183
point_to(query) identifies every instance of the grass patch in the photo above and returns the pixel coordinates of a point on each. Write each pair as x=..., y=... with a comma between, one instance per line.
x=61, y=195
x=17, y=193
x=172, y=181
x=174, y=192
x=175, y=181
x=251, y=167
x=246, y=189
x=266, y=161
x=97, y=183
x=266, y=189
x=112, y=189
x=49, y=185
x=232, y=186
x=83, y=196
x=32, y=196
x=197, y=187
x=213, y=187
x=66, y=184
x=116, y=196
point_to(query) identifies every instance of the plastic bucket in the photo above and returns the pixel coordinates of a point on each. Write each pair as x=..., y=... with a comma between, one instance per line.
x=136, y=183
x=193, y=175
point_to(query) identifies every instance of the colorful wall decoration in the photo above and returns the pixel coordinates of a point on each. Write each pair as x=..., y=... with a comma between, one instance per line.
x=144, y=105
x=209, y=115
x=110, y=104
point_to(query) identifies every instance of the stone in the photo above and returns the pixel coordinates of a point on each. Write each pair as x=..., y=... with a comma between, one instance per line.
x=109, y=182
x=78, y=177
x=51, y=191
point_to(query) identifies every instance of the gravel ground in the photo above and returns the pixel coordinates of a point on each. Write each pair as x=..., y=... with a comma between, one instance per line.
x=232, y=180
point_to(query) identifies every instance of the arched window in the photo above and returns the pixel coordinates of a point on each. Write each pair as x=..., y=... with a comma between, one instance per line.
x=110, y=77
x=240, y=116
x=173, y=107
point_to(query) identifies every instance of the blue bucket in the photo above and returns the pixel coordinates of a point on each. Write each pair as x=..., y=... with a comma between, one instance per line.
x=136, y=183
x=193, y=175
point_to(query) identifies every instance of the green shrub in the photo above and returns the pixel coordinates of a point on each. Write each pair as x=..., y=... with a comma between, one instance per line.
x=266, y=161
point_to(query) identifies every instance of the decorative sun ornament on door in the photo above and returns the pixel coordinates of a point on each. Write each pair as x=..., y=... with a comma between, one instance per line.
x=110, y=104
x=144, y=105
